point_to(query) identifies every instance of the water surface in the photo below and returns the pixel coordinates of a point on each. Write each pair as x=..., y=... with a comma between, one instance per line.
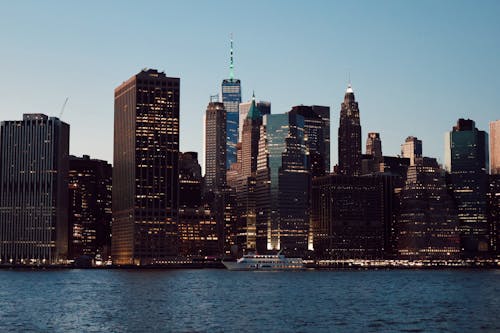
x=224, y=301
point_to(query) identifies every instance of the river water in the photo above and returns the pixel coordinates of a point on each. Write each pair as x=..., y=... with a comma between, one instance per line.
x=217, y=300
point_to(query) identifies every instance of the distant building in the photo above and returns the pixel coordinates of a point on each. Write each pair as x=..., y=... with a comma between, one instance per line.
x=89, y=207
x=264, y=108
x=316, y=137
x=145, y=171
x=34, y=162
x=494, y=212
x=466, y=160
x=412, y=149
x=215, y=147
x=231, y=97
x=374, y=145
x=349, y=216
x=495, y=147
x=349, y=136
x=427, y=225
x=197, y=226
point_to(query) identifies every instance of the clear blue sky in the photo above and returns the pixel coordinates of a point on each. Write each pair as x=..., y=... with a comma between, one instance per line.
x=416, y=66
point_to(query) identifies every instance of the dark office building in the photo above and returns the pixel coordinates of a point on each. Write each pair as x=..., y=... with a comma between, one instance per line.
x=466, y=158
x=427, y=225
x=215, y=147
x=89, y=207
x=317, y=136
x=494, y=212
x=231, y=97
x=349, y=136
x=145, y=172
x=349, y=216
x=197, y=226
x=34, y=162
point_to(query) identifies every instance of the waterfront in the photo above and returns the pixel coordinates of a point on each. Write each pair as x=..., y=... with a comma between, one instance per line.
x=218, y=300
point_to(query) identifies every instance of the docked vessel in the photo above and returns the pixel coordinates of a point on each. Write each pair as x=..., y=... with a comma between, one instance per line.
x=267, y=262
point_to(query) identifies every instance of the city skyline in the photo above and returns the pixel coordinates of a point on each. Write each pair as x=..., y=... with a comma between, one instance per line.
x=422, y=77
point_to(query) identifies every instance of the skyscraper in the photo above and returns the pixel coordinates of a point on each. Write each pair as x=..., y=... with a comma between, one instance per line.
x=349, y=136
x=231, y=97
x=316, y=137
x=466, y=160
x=264, y=108
x=215, y=147
x=89, y=207
x=412, y=148
x=287, y=199
x=495, y=147
x=145, y=172
x=34, y=161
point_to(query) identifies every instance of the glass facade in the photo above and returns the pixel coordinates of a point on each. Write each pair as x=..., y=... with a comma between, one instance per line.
x=231, y=97
x=467, y=164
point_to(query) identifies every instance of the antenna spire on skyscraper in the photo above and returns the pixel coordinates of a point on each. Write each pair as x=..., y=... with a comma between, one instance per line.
x=231, y=63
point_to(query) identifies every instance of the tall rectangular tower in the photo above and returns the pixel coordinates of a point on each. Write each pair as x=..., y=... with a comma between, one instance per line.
x=145, y=172
x=495, y=147
x=412, y=149
x=215, y=147
x=34, y=157
x=466, y=151
x=231, y=97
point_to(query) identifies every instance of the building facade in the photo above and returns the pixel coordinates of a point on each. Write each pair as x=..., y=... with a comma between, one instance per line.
x=34, y=162
x=349, y=136
x=495, y=147
x=89, y=207
x=145, y=172
x=349, y=216
x=412, y=149
x=215, y=147
x=466, y=160
x=427, y=225
x=264, y=108
x=374, y=145
x=316, y=137
x=231, y=97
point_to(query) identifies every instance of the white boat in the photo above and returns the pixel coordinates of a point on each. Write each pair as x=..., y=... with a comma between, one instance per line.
x=264, y=262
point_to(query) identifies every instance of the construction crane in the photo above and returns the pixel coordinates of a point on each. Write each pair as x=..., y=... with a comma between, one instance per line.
x=63, y=106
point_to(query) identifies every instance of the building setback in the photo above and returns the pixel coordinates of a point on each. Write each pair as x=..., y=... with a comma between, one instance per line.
x=466, y=160
x=412, y=149
x=89, y=207
x=34, y=190
x=145, y=172
x=349, y=136
x=264, y=108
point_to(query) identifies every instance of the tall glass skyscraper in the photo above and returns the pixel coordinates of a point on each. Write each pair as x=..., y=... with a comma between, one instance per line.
x=288, y=183
x=231, y=97
x=466, y=160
